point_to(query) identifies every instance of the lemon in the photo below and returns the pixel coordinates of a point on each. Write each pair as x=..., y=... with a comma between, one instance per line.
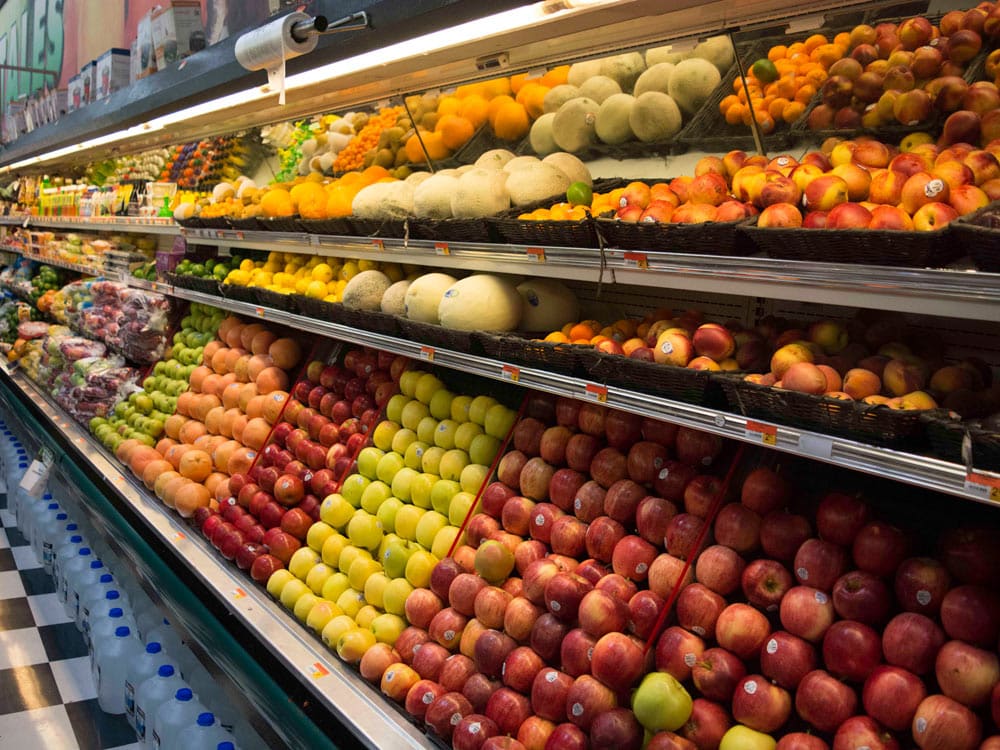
x=301, y=285
x=247, y=265
x=367, y=265
x=394, y=271
x=322, y=272
x=316, y=289
x=349, y=270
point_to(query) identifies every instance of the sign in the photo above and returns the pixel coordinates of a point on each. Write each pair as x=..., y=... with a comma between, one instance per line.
x=980, y=486
x=762, y=433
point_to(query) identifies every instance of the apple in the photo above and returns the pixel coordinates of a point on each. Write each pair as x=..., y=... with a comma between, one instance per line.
x=921, y=584
x=851, y=650
x=941, y=722
x=824, y=701
x=429, y=659
x=698, y=609
x=588, y=698
x=861, y=596
x=548, y=694
x=568, y=536
x=806, y=612
x=609, y=465
x=707, y=724
x=765, y=583
x=670, y=741
x=602, y=537
x=567, y=737
x=912, y=641
x=446, y=712
x=667, y=573
x=672, y=480
x=720, y=568
x=819, y=564
x=591, y=419
x=682, y=537
x=761, y=705
x=545, y=515
x=652, y=518
x=420, y=696
x=446, y=627
x=971, y=554
x=547, y=636
x=863, y=731
x=891, y=696
x=600, y=613
x=879, y=548
x=442, y=576
x=717, y=673
x=801, y=741
x=616, y=728
x=462, y=592
x=643, y=611
x=580, y=451
x=617, y=661
x=519, y=618
x=764, y=491
x=473, y=731
x=786, y=659
x=509, y=710
x=494, y=497
x=697, y=448
x=509, y=469
x=564, y=486
x=536, y=577
x=622, y=500
x=632, y=557
x=972, y=613
x=782, y=534
x=742, y=630
x=576, y=651
x=737, y=527
x=520, y=668
x=700, y=494
x=421, y=606
x=840, y=517
x=264, y=566
x=967, y=674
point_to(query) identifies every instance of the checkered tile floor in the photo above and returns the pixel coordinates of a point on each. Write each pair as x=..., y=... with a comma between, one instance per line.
x=47, y=697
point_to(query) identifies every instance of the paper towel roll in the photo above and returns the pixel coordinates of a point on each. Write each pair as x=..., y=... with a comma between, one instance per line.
x=268, y=47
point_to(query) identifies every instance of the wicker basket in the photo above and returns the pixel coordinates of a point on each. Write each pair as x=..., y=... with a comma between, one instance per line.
x=279, y=224
x=194, y=283
x=863, y=246
x=388, y=228
x=249, y=224
x=318, y=308
x=275, y=300
x=677, y=383
x=216, y=222
x=947, y=435
x=453, y=230
x=709, y=238
x=510, y=347
x=979, y=234
x=193, y=223
x=369, y=320
x=238, y=293
x=339, y=226
x=438, y=336
x=876, y=424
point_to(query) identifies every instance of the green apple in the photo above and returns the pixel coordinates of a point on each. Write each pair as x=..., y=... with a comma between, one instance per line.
x=353, y=487
x=394, y=559
x=402, y=483
x=321, y=614
x=452, y=464
x=374, y=495
x=317, y=577
x=473, y=477
x=386, y=513
x=388, y=465
x=303, y=606
x=421, y=488
x=412, y=414
x=388, y=540
x=375, y=587
x=443, y=541
x=334, y=586
x=740, y=737
x=429, y=525
x=661, y=703
x=418, y=574
x=402, y=440
x=360, y=570
x=460, y=408
x=444, y=436
x=414, y=455
x=349, y=554
x=483, y=449
x=394, y=407
x=408, y=382
x=426, y=430
x=302, y=561
x=407, y=519
x=364, y=530
x=277, y=582
x=499, y=421
x=478, y=408
x=351, y=601
x=442, y=493
x=387, y=628
x=318, y=533
x=336, y=627
x=332, y=548
x=427, y=385
x=335, y=512
x=383, y=434
x=368, y=460
x=460, y=506
x=465, y=434
x=440, y=404
x=395, y=593
x=431, y=461
x=291, y=592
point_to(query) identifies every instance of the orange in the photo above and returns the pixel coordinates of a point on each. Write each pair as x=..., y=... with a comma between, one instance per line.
x=532, y=98
x=843, y=39
x=581, y=331
x=727, y=102
x=816, y=40
x=449, y=105
x=434, y=145
x=557, y=337
x=375, y=173
x=495, y=87
x=511, y=122
x=496, y=104
x=312, y=200
x=556, y=76
x=277, y=202
x=340, y=199
x=455, y=131
x=777, y=52
x=792, y=112
x=195, y=465
x=475, y=109
x=776, y=107
x=517, y=81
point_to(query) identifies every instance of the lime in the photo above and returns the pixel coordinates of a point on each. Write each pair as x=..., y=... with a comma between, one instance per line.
x=579, y=194
x=765, y=71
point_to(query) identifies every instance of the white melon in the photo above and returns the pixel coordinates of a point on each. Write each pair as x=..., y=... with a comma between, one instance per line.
x=655, y=117
x=432, y=197
x=581, y=71
x=559, y=95
x=481, y=302
x=365, y=290
x=541, y=138
x=384, y=200
x=495, y=158
x=667, y=54
x=520, y=162
x=692, y=83
x=535, y=183
x=574, y=125
x=571, y=166
x=394, y=300
x=548, y=305
x=479, y=193
x=655, y=78
x=612, y=124
x=424, y=295
x=600, y=88
x=718, y=50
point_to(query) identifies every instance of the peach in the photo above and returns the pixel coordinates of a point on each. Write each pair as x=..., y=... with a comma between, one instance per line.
x=933, y=216
x=918, y=400
x=803, y=174
x=780, y=215
x=710, y=164
x=804, y=377
x=817, y=159
x=860, y=383
x=890, y=217
x=912, y=107
x=951, y=378
x=967, y=198
x=983, y=164
x=661, y=192
x=694, y=213
x=714, y=341
x=964, y=45
x=901, y=377
x=989, y=126
x=876, y=399
x=948, y=92
x=831, y=335
x=954, y=173
x=926, y=62
x=782, y=163
x=833, y=379
x=825, y=192
x=920, y=189
x=857, y=178
x=992, y=189
x=680, y=186
x=915, y=32
x=842, y=153
x=848, y=216
x=815, y=220
x=869, y=89
x=862, y=34
x=705, y=363
x=673, y=348
x=911, y=162
x=731, y=210
x=872, y=154
x=951, y=22
x=778, y=189
x=789, y=355
x=733, y=161
x=742, y=179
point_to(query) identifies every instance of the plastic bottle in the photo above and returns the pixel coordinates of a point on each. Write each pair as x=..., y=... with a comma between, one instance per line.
x=14, y=477
x=175, y=716
x=204, y=734
x=50, y=532
x=103, y=629
x=65, y=552
x=167, y=637
x=149, y=696
x=214, y=699
x=91, y=596
x=147, y=615
x=85, y=580
x=112, y=662
x=74, y=568
x=42, y=517
x=141, y=669
x=37, y=513
x=101, y=609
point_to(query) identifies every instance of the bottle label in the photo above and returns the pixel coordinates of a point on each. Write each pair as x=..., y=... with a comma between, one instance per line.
x=156, y=740
x=129, y=698
x=47, y=553
x=140, y=724
x=76, y=605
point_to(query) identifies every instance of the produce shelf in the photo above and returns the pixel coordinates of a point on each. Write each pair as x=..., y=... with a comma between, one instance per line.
x=339, y=690
x=910, y=468
x=78, y=267
x=151, y=225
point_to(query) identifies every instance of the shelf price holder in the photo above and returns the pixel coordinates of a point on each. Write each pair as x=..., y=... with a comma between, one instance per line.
x=378, y=244
x=427, y=353
x=594, y=392
x=511, y=373
x=441, y=248
x=983, y=487
x=636, y=260
x=761, y=432
x=535, y=254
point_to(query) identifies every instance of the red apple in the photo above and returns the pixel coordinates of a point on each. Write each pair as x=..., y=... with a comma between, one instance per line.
x=547, y=636
x=617, y=661
x=891, y=696
x=863, y=731
x=494, y=497
x=568, y=536
x=563, y=594
x=717, y=673
x=765, y=583
x=632, y=557
x=742, y=630
x=764, y=491
x=510, y=467
x=617, y=728
x=652, y=518
x=698, y=610
x=819, y=564
x=552, y=447
x=851, y=650
x=840, y=517
x=509, y=710
x=600, y=612
x=945, y=724
x=737, y=527
x=445, y=713
x=879, y=548
x=672, y=479
x=520, y=669
x=782, y=534
x=645, y=459
x=806, y=612
x=473, y=731
x=544, y=516
x=824, y=701
x=761, y=705
x=564, y=486
x=972, y=613
x=420, y=696
x=580, y=451
x=587, y=699
x=786, y=659
x=667, y=573
x=720, y=569
x=548, y=694
x=576, y=652
x=603, y=535
x=442, y=576
x=972, y=555
x=967, y=674
x=446, y=627
x=421, y=606
x=682, y=535
x=912, y=641
x=643, y=611
x=700, y=494
x=921, y=585
x=462, y=592
x=568, y=737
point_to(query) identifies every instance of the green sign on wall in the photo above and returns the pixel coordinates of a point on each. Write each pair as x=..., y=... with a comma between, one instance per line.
x=31, y=36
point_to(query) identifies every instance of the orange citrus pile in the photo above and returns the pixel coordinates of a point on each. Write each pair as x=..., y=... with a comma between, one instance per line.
x=353, y=154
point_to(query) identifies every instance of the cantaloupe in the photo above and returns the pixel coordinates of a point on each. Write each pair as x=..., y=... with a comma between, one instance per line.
x=624, y=69
x=612, y=124
x=479, y=193
x=666, y=54
x=571, y=166
x=424, y=294
x=548, y=305
x=599, y=88
x=573, y=127
x=495, y=158
x=654, y=117
x=481, y=302
x=520, y=162
x=655, y=78
x=559, y=95
x=384, y=200
x=541, y=138
x=365, y=290
x=394, y=300
x=581, y=71
x=692, y=83
x=535, y=183
x=432, y=197
x=416, y=178
x=718, y=50
x=465, y=168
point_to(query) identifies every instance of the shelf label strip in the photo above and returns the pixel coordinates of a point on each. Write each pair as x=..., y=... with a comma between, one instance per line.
x=984, y=487
x=441, y=248
x=536, y=254
x=511, y=373
x=594, y=392
x=762, y=433
x=427, y=353
x=636, y=260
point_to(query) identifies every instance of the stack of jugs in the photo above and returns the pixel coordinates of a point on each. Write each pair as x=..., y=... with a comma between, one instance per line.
x=65, y=550
x=149, y=696
x=74, y=568
x=50, y=531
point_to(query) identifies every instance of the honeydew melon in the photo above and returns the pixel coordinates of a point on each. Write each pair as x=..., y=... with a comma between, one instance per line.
x=655, y=78
x=624, y=69
x=692, y=83
x=365, y=290
x=718, y=50
x=654, y=117
x=541, y=138
x=535, y=183
x=394, y=300
x=520, y=162
x=424, y=295
x=571, y=166
x=599, y=88
x=481, y=302
x=432, y=197
x=548, y=305
x=384, y=200
x=581, y=71
x=612, y=124
x=666, y=54
x=573, y=128
x=495, y=158
x=559, y=95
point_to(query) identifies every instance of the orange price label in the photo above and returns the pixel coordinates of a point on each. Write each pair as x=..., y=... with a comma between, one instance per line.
x=536, y=254
x=595, y=392
x=636, y=260
x=239, y=593
x=441, y=248
x=427, y=353
x=259, y=311
x=240, y=236
x=761, y=432
x=378, y=245
x=511, y=373
x=319, y=671
x=983, y=487
x=179, y=536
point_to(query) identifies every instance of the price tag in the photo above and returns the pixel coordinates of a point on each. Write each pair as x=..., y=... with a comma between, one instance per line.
x=319, y=671
x=819, y=446
x=980, y=486
x=594, y=392
x=511, y=373
x=34, y=479
x=379, y=245
x=259, y=312
x=179, y=536
x=764, y=433
x=239, y=593
x=636, y=260
x=46, y=456
x=441, y=248
x=427, y=353
x=240, y=236
x=220, y=234
x=536, y=254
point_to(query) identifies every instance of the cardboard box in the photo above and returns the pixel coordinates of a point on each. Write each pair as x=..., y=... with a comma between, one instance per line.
x=145, y=53
x=88, y=74
x=177, y=30
x=74, y=95
x=112, y=72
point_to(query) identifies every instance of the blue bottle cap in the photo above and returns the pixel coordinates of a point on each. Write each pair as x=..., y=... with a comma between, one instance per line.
x=47, y=496
x=84, y=551
x=75, y=539
x=153, y=647
x=184, y=694
x=72, y=527
x=53, y=506
x=206, y=719
x=123, y=631
x=96, y=564
x=61, y=517
x=227, y=745
x=113, y=594
x=166, y=670
x=116, y=612
x=106, y=578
